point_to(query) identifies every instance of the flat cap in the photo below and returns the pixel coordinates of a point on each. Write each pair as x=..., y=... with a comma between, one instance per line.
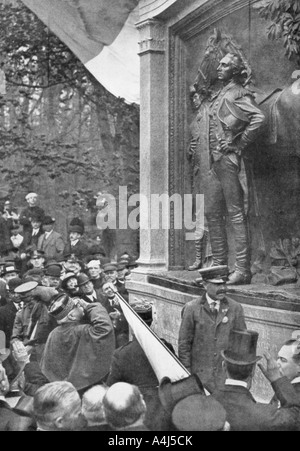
x=110, y=267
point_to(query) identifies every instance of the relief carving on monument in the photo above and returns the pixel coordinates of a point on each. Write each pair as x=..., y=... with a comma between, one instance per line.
x=233, y=122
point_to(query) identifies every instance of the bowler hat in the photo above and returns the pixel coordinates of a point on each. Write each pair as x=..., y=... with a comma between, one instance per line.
x=242, y=348
x=61, y=305
x=53, y=271
x=97, y=249
x=14, y=283
x=132, y=263
x=83, y=279
x=215, y=274
x=4, y=352
x=170, y=393
x=48, y=220
x=199, y=413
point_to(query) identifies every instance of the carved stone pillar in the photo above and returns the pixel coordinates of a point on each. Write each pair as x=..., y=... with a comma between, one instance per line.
x=153, y=141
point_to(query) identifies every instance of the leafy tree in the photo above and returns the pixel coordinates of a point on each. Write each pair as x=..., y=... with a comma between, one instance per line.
x=58, y=125
x=285, y=18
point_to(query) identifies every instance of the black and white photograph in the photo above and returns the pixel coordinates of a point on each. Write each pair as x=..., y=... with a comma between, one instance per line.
x=150, y=218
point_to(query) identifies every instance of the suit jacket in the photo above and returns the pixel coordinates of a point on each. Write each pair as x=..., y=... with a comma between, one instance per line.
x=30, y=240
x=14, y=420
x=7, y=319
x=99, y=297
x=130, y=364
x=27, y=214
x=244, y=414
x=202, y=338
x=81, y=249
x=53, y=246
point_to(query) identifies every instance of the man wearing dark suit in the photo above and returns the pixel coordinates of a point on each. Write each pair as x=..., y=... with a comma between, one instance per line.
x=51, y=242
x=206, y=326
x=131, y=365
x=76, y=244
x=89, y=293
x=9, y=311
x=32, y=211
x=243, y=413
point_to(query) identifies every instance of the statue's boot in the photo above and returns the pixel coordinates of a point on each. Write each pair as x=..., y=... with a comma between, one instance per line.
x=218, y=240
x=242, y=273
x=199, y=256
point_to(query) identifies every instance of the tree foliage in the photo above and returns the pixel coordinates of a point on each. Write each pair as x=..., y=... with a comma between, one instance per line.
x=285, y=18
x=56, y=121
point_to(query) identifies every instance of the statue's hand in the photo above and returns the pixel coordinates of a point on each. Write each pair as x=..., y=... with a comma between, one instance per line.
x=227, y=147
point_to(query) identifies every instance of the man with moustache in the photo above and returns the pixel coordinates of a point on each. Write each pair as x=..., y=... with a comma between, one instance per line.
x=206, y=326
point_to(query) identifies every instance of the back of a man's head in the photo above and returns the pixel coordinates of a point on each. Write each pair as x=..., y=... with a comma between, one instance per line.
x=57, y=406
x=123, y=405
x=92, y=405
x=239, y=372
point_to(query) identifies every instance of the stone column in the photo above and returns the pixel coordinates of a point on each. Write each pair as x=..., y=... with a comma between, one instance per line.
x=153, y=141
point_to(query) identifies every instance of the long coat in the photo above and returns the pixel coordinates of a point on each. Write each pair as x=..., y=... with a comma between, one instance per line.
x=202, y=338
x=244, y=414
x=80, y=353
x=7, y=319
x=53, y=246
x=131, y=365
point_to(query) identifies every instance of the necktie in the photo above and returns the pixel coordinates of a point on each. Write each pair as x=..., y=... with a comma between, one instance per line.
x=213, y=309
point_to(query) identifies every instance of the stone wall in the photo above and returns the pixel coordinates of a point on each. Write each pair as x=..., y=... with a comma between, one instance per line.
x=274, y=325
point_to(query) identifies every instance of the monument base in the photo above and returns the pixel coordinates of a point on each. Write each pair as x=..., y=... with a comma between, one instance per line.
x=274, y=312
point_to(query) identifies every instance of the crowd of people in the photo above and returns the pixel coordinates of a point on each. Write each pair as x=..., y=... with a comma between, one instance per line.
x=67, y=353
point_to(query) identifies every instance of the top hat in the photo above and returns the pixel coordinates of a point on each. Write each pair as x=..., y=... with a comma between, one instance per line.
x=61, y=305
x=199, y=413
x=215, y=274
x=48, y=220
x=242, y=348
x=77, y=229
x=170, y=393
x=4, y=352
x=83, y=279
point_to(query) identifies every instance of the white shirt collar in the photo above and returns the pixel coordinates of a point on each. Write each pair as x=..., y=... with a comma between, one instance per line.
x=93, y=295
x=74, y=242
x=210, y=301
x=47, y=234
x=296, y=380
x=2, y=398
x=236, y=383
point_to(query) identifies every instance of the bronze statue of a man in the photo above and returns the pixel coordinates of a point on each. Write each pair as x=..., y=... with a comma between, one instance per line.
x=234, y=123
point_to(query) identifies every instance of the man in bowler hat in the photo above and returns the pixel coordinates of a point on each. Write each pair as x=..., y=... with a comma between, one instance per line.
x=243, y=412
x=205, y=328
